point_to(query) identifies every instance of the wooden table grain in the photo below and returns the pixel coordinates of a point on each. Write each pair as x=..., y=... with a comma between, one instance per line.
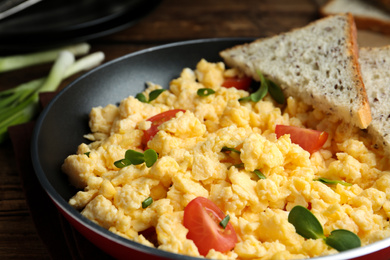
x=170, y=21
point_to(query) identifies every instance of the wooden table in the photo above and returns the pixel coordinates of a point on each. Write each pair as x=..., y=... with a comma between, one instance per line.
x=171, y=21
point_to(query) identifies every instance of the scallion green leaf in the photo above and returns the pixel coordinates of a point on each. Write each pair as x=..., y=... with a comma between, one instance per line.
x=87, y=154
x=204, y=92
x=259, y=174
x=226, y=149
x=224, y=222
x=147, y=202
x=332, y=182
x=20, y=104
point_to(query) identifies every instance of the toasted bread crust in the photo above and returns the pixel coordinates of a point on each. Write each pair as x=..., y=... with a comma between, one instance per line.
x=364, y=113
x=375, y=64
x=357, y=112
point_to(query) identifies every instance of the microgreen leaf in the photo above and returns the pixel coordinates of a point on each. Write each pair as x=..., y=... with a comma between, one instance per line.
x=155, y=93
x=259, y=174
x=134, y=157
x=152, y=95
x=260, y=93
x=141, y=97
x=248, y=98
x=276, y=92
x=332, y=182
x=226, y=149
x=308, y=226
x=204, y=92
x=341, y=240
x=122, y=163
x=224, y=221
x=305, y=223
x=147, y=202
x=150, y=156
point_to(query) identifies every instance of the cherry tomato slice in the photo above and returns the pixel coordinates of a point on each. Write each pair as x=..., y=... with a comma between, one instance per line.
x=202, y=218
x=157, y=120
x=238, y=83
x=309, y=139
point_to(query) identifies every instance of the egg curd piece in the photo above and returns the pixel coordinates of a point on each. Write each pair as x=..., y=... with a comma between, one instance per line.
x=258, y=153
x=212, y=150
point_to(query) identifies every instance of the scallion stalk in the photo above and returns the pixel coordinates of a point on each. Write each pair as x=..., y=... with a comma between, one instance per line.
x=20, y=104
x=14, y=62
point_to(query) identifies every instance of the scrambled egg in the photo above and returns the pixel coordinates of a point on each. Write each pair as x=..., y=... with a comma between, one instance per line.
x=191, y=164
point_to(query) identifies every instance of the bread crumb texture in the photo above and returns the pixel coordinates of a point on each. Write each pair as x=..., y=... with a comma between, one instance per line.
x=375, y=64
x=317, y=63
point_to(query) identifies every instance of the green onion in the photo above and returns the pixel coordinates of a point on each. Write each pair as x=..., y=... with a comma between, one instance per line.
x=149, y=157
x=224, y=221
x=87, y=154
x=20, y=104
x=14, y=62
x=85, y=63
x=204, y=92
x=308, y=226
x=332, y=182
x=227, y=149
x=152, y=95
x=259, y=174
x=147, y=202
x=24, y=110
x=64, y=61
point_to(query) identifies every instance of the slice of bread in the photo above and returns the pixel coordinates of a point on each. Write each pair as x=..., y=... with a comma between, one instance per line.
x=317, y=63
x=375, y=66
x=368, y=15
